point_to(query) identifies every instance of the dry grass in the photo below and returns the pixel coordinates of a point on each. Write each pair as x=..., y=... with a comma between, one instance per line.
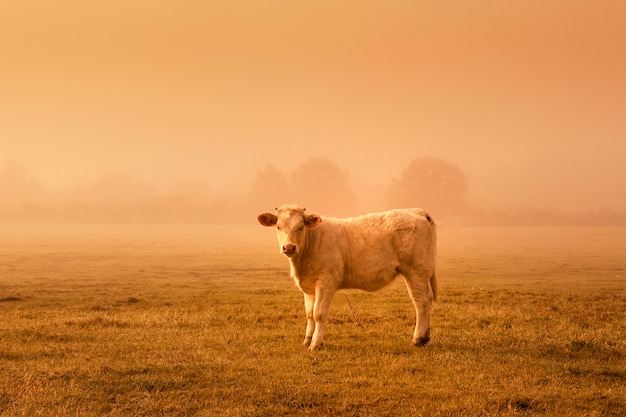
x=150, y=321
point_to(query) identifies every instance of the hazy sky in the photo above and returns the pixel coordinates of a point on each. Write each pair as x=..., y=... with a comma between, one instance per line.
x=528, y=97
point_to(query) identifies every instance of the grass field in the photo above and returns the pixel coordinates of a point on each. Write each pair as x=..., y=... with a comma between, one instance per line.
x=205, y=321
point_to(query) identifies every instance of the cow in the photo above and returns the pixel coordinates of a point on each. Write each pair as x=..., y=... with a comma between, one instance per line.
x=367, y=252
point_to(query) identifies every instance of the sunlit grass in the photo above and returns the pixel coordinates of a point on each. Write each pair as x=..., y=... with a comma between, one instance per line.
x=182, y=322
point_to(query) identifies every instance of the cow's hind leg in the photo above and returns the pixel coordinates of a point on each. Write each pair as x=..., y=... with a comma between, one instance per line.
x=417, y=283
x=309, y=301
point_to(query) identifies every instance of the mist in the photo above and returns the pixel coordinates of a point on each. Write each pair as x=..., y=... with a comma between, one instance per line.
x=318, y=183
x=211, y=113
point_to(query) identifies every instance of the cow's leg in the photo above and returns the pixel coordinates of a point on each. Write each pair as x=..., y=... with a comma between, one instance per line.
x=323, y=298
x=417, y=284
x=309, y=301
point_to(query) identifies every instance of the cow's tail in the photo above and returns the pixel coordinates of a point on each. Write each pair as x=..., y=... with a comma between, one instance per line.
x=433, y=276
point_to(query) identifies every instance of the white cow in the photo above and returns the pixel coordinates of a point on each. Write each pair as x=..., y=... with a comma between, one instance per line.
x=365, y=252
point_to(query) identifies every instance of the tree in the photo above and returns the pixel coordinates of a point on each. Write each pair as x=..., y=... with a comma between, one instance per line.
x=324, y=187
x=433, y=184
x=269, y=189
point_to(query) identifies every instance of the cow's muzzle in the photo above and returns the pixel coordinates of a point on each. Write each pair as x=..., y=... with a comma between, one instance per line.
x=289, y=249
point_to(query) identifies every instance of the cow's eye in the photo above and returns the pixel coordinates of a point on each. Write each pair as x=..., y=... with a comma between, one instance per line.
x=299, y=229
x=278, y=227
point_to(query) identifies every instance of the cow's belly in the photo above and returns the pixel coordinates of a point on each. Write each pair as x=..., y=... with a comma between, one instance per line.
x=370, y=281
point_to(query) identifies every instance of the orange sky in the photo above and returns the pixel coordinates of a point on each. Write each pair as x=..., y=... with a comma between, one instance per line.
x=527, y=97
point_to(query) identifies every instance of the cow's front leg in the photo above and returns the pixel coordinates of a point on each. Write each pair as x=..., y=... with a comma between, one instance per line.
x=323, y=298
x=309, y=300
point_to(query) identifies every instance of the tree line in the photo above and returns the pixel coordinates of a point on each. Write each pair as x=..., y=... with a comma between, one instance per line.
x=318, y=183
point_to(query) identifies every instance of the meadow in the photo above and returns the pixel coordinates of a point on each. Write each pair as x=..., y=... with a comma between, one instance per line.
x=204, y=321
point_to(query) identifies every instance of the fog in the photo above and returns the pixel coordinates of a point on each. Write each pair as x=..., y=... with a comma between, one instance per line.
x=214, y=111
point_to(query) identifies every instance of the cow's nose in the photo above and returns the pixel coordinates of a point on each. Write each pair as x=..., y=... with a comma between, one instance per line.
x=289, y=249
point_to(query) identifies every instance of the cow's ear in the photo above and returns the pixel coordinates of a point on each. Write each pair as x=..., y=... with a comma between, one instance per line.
x=312, y=220
x=267, y=219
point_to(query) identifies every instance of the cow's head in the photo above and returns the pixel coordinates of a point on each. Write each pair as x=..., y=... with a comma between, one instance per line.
x=291, y=225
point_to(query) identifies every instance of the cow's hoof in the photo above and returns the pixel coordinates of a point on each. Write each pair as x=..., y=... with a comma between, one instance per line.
x=315, y=347
x=307, y=342
x=421, y=341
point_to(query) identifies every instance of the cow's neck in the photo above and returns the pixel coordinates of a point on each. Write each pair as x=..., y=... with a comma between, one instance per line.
x=296, y=266
x=297, y=262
